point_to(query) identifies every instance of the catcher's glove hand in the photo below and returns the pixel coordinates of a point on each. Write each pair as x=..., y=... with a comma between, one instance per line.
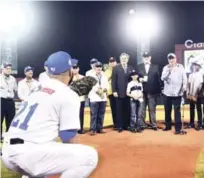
x=83, y=86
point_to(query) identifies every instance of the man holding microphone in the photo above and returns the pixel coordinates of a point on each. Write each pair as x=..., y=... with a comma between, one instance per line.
x=175, y=83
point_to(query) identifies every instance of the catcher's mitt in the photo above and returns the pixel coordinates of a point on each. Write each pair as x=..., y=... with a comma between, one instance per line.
x=83, y=86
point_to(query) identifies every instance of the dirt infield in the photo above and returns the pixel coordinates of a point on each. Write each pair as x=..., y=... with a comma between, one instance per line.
x=147, y=155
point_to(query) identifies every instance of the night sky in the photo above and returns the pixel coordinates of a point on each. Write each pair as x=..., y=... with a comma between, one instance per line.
x=96, y=29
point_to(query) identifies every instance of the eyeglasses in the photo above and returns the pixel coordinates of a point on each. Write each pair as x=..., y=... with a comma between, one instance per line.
x=98, y=66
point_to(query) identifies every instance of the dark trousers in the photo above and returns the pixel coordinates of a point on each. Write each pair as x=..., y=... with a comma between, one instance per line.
x=8, y=112
x=198, y=105
x=135, y=107
x=81, y=115
x=150, y=101
x=97, y=115
x=112, y=100
x=123, y=113
x=176, y=102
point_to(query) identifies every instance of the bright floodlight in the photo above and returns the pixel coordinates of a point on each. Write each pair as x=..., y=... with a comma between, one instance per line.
x=131, y=11
x=13, y=18
x=143, y=25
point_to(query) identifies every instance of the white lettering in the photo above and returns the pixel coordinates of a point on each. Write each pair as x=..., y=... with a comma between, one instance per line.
x=189, y=44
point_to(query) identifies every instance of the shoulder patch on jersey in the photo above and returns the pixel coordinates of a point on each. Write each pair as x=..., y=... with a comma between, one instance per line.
x=48, y=91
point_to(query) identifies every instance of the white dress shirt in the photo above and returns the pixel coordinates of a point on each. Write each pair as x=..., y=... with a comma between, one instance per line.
x=25, y=87
x=103, y=83
x=147, y=66
x=7, y=86
x=43, y=77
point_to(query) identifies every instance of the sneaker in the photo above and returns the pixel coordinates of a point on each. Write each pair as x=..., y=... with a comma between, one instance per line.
x=190, y=126
x=132, y=129
x=181, y=132
x=198, y=128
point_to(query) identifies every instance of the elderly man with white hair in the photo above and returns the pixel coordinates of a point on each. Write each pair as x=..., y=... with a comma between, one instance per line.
x=175, y=81
x=120, y=76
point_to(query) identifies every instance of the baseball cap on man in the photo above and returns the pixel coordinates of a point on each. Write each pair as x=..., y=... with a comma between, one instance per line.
x=59, y=63
x=112, y=59
x=93, y=61
x=98, y=64
x=171, y=56
x=146, y=54
x=26, y=69
x=75, y=65
x=6, y=64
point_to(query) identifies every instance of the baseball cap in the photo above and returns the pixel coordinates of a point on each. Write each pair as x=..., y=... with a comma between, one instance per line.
x=98, y=64
x=133, y=72
x=6, y=64
x=171, y=56
x=198, y=60
x=112, y=59
x=146, y=54
x=26, y=69
x=59, y=62
x=93, y=61
x=75, y=65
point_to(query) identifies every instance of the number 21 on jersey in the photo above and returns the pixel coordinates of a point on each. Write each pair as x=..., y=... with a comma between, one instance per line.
x=24, y=108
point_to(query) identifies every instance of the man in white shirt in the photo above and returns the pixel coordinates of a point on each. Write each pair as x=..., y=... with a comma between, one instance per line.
x=44, y=76
x=92, y=70
x=28, y=84
x=194, y=94
x=30, y=147
x=98, y=98
x=8, y=87
x=175, y=83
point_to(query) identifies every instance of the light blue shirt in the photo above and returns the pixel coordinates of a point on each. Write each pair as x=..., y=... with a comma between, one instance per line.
x=175, y=80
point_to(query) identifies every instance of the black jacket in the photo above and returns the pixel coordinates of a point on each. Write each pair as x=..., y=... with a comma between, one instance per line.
x=120, y=80
x=153, y=84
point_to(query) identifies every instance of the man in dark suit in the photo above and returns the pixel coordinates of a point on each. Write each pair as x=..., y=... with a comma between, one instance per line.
x=120, y=77
x=151, y=89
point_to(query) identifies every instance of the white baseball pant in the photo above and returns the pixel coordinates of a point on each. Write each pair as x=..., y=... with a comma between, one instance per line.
x=41, y=160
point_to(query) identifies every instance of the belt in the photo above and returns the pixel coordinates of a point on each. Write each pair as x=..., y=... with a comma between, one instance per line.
x=15, y=141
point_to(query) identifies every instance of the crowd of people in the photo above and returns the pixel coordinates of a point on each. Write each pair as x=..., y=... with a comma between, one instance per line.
x=129, y=90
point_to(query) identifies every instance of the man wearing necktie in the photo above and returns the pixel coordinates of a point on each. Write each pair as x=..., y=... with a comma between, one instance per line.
x=151, y=88
x=120, y=77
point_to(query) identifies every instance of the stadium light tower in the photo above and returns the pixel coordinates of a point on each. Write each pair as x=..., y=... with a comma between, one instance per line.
x=14, y=22
x=142, y=26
